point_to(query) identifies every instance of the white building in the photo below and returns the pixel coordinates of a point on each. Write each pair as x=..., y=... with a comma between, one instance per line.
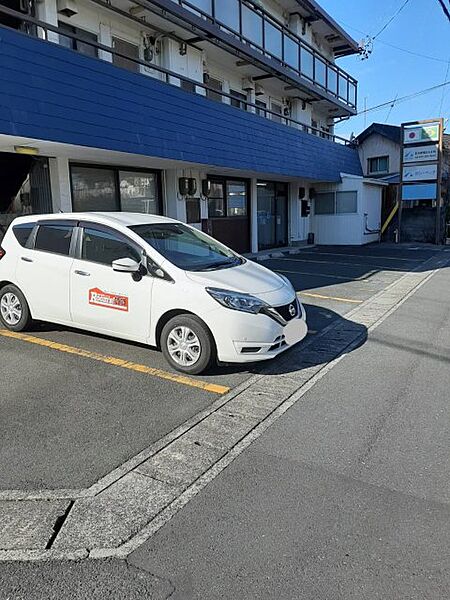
x=219, y=113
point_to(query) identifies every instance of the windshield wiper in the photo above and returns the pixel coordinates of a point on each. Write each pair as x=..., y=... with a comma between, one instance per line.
x=222, y=264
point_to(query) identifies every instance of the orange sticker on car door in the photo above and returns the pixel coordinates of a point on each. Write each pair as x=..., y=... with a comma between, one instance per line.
x=99, y=298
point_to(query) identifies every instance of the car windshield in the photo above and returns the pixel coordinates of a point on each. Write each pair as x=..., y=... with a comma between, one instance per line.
x=186, y=247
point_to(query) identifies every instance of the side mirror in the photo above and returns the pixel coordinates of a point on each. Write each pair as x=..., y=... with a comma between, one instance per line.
x=126, y=265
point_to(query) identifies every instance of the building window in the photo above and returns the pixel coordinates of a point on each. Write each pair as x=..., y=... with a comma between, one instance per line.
x=228, y=198
x=379, y=164
x=112, y=189
x=187, y=86
x=261, y=110
x=238, y=99
x=78, y=44
x=126, y=49
x=331, y=203
x=215, y=84
x=346, y=202
x=324, y=204
x=278, y=109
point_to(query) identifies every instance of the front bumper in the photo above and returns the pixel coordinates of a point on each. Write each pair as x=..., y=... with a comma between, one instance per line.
x=242, y=337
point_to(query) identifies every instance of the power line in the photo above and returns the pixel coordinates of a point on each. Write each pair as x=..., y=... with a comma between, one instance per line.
x=435, y=58
x=404, y=98
x=443, y=89
x=392, y=18
x=445, y=9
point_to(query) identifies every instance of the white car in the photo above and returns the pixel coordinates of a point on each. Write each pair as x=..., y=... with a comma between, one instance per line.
x=148, y=279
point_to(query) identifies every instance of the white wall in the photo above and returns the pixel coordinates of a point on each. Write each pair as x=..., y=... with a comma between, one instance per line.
x=376, y=145
x=348, y=229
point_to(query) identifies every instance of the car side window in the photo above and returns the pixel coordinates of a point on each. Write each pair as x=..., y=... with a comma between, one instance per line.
x=54, y=238
x=104, y=247
x=22, y=232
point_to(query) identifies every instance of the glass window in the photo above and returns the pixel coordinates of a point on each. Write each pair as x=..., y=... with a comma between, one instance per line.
x=193, y=210
x=272, y=39
x=188, y=86
x=126, y=49
x=379, y=164
x=278, y=109
x=215, y=84
x=54, y=238
x=346, y=202
x=352, y=93
x=291, y=52
x=261, y=108
x=227, y=12
x=187, y=248
x=324, y=204
x=306, y=63
x=105, y=247
x=78, y=44
x=23, y=232
x=342, y=88
x=94, y=189
x=320, y=72
x=203, y=5
x=138, y=192
x=332, y=80
x=216, y=200
x=236, y=199
x=252, y=25
x=238, y=99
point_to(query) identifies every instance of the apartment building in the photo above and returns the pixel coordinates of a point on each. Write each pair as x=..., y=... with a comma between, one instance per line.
x=219, y=113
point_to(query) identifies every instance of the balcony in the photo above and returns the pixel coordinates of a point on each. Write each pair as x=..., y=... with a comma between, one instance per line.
x=251, y=31
x=49, y=92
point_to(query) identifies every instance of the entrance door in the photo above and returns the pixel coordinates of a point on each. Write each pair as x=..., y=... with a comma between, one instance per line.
x=228, y=213
x=272, y=214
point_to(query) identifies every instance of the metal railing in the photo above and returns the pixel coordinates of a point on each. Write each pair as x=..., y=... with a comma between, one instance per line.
x=256, y=27
x=40, y=29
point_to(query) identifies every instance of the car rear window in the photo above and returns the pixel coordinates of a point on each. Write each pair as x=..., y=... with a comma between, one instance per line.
x=23, y=232
x=54, y=238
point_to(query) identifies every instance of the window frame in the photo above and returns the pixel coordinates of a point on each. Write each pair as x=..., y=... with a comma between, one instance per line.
x=335, y=212
x=79, y=32
x=370, y=171
x=82, y=225
x=31, y=243
x=117, y=170
x=224, y=181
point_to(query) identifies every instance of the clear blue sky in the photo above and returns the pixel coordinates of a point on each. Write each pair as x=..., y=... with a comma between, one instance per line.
x=420, y=27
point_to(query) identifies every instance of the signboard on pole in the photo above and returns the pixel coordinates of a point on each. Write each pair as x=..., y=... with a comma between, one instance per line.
x=420, y=173
x=415, y=154
x=424, y=133
x=420, y=191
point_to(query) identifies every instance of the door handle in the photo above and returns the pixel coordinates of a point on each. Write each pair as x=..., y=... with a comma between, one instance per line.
x=83, y=273
x=26, y=259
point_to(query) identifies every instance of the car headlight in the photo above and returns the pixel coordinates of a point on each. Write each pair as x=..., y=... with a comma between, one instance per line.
x=237, y=301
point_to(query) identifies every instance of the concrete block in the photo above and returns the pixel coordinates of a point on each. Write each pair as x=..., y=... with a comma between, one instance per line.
x=28, y=524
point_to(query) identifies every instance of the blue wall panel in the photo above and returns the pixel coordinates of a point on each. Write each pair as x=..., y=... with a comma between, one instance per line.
x=52, y=93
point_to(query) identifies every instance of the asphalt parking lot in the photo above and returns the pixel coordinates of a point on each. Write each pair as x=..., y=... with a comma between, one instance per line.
x=75, y=405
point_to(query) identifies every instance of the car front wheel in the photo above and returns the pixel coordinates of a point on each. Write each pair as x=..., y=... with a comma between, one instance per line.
x=14, y=311
x=187, y=344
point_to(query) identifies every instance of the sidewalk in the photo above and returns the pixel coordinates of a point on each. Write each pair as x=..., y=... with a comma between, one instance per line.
x=347, y=495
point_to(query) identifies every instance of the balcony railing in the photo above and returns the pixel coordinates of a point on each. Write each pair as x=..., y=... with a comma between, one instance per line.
x=40, y=29
x=254, y=26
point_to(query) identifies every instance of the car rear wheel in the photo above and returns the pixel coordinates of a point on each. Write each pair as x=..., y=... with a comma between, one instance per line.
x=187, y=344
x=14, y=311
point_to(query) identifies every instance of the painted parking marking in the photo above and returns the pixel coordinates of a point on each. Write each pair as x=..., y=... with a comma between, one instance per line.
x=117, y=362
x=336, y=262
x=336, y=298
x=328, y=276
x=382, y=256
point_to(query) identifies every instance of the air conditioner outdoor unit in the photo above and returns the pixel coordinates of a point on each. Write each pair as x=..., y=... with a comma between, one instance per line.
x=68, y=8
x=259, y=90
x=248, y=84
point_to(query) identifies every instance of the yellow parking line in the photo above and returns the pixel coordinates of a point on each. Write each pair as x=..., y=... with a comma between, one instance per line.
x=117, y=362
x=330, y=298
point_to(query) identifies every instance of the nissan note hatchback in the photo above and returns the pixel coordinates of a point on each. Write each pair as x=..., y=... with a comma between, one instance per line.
x=148, y=279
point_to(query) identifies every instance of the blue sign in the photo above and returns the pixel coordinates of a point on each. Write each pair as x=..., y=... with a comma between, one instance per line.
x=419, y=191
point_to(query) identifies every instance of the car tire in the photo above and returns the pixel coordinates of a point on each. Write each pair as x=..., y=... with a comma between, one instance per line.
x=187, y=344
x=14, y=310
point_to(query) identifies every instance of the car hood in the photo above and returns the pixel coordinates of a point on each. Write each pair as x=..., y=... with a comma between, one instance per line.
x=248, y=278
